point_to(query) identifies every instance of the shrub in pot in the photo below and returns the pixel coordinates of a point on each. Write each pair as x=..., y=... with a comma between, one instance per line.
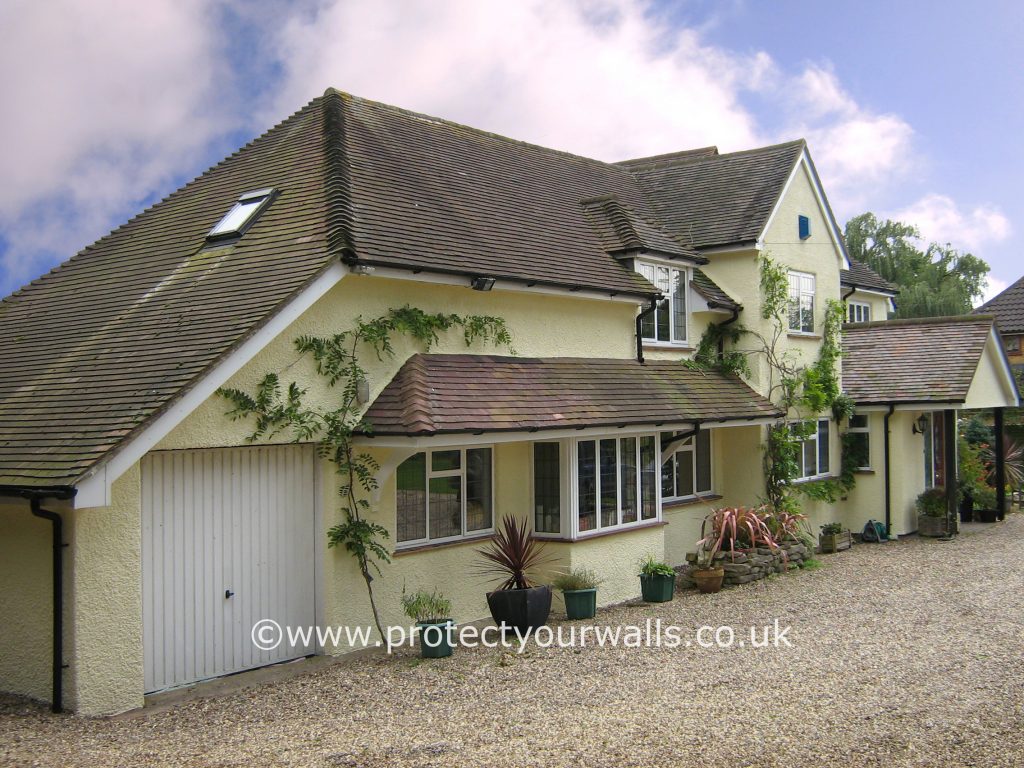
x=579, y=591
x=834, y=538
x=657, y=580
x=931, y=512
x=432, y=613
x=732, y=528
x=511, y=554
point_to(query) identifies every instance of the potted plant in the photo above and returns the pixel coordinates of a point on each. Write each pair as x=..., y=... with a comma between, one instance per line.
x=511, y=554
x=579, y=591
x=834, y=538
x=432, y=613
x=931, y=512
x=657, y=580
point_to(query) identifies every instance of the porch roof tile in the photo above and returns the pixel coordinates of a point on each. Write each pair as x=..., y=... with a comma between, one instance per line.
x=444, y=394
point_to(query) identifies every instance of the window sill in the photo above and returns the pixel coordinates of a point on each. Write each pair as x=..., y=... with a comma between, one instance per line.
x=414, y=548
x=690, y=501
x=587, y=536
x=674, y=346
x=802, y=335
x=864, y=471
x=814, y=479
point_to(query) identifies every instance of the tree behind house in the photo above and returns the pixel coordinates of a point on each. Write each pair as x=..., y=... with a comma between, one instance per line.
x=934, y=282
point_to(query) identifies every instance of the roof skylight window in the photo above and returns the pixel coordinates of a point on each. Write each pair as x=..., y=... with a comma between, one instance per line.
x=242, y=214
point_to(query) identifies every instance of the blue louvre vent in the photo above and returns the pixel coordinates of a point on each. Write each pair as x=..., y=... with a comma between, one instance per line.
x=805, y=227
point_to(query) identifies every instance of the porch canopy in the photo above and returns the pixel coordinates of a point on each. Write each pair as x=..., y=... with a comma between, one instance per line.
x=932, y=364
x=486, y=394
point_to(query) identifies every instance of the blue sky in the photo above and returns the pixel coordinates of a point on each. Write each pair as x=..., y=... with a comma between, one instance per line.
x=912, y=110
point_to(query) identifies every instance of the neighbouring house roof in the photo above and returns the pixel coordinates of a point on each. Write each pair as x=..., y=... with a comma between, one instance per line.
x=1007, y=308
x=709, y=199
x=860, y=275
x=96, y=350
x=713, y=295
x=922, y=360
x=441, y=394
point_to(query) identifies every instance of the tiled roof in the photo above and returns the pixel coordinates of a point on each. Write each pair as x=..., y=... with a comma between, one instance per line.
x=709, y=199
x=913, y=361
x=860, y=275
x=620, y=231
x=1008, y=308
x=437, y=394
x=709, y=289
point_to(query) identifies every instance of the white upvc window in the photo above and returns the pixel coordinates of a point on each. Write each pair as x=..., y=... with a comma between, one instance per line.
x=858, y=312
x=686, y=474
x=615, y=483
x=801, y=302
x=668, y=323
x=444, y=495
x=814, y=450
x=858, y=440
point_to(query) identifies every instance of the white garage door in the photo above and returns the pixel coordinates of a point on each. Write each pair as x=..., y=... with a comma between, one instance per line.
x=228, y=539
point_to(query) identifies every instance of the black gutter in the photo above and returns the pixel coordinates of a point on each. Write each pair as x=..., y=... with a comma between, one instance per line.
x=57, y=525
x=730, y=321
x=853, y=290
x=639, y=332
x=888, y=482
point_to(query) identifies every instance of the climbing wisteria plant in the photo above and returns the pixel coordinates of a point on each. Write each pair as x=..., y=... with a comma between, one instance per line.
x=337, y=360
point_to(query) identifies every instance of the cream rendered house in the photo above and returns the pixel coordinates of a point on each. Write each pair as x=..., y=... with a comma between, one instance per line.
x=178, y=535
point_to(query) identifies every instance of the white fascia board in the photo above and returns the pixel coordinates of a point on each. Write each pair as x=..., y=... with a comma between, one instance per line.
x=492, y=438
x=857, y=290
x=94, y=488
x=998, y=350
x=819, y=194
x=747, y=248
x=438, y=278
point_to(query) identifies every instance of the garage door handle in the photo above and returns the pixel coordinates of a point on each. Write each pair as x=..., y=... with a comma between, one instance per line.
x=228, y=593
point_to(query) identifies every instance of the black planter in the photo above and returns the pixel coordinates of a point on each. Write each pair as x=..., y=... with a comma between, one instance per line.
x=987, y=515
x=521, y=609
x=966, y=509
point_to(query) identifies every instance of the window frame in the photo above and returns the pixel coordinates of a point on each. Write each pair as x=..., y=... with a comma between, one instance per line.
x=1012, y=344
x=263, y=197
x=430, y=474
x=815, y=437
x=564, y=492
x=866, y=431
x=799, y=330
x=639, y=266
x=691, y=449
x=864, y=308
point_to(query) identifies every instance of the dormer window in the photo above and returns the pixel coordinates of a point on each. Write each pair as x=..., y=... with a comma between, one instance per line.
x=242, y=215
x=667, y=324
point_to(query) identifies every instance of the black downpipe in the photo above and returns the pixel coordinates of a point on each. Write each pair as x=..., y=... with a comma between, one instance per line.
x=639, y=332
x=58, y=600
x=1000, y=446
x=949, y=437
x=852, y=291
x=888, y=482
x=721, y=340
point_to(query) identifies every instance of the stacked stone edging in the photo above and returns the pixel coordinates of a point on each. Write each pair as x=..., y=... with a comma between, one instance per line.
x=750, y=564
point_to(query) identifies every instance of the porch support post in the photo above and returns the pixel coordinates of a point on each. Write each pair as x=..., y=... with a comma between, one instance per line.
x=949, y=443
x=1000, y=449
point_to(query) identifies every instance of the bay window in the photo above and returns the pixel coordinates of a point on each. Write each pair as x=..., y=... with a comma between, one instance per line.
x=444, y=494
x=687, y=473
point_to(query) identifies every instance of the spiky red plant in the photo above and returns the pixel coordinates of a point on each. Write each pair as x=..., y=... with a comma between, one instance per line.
x=511, y=554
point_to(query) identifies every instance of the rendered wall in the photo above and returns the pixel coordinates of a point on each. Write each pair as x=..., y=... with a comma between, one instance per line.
x=879, y=304
x=26, y=601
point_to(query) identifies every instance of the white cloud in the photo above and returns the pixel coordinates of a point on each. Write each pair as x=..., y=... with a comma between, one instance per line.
x=941, y=220
x=602, y=79
x=856, y=150
x=104, y=101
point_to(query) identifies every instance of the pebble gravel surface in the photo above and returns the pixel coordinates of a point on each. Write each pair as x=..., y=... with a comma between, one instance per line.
x=903, y=654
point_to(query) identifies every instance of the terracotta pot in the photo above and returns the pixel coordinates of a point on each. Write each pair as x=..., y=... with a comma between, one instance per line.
x=708, y=580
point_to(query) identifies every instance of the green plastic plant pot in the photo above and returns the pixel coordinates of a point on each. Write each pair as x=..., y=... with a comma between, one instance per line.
x=434, y=639
x=580, y=603
x=657, y=588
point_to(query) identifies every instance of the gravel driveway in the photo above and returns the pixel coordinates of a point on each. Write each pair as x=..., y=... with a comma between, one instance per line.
x=906, y=653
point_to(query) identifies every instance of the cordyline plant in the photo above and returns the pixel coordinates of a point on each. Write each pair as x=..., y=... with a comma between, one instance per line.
x=511, y=554
x=728, y=527
x=333, y=430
